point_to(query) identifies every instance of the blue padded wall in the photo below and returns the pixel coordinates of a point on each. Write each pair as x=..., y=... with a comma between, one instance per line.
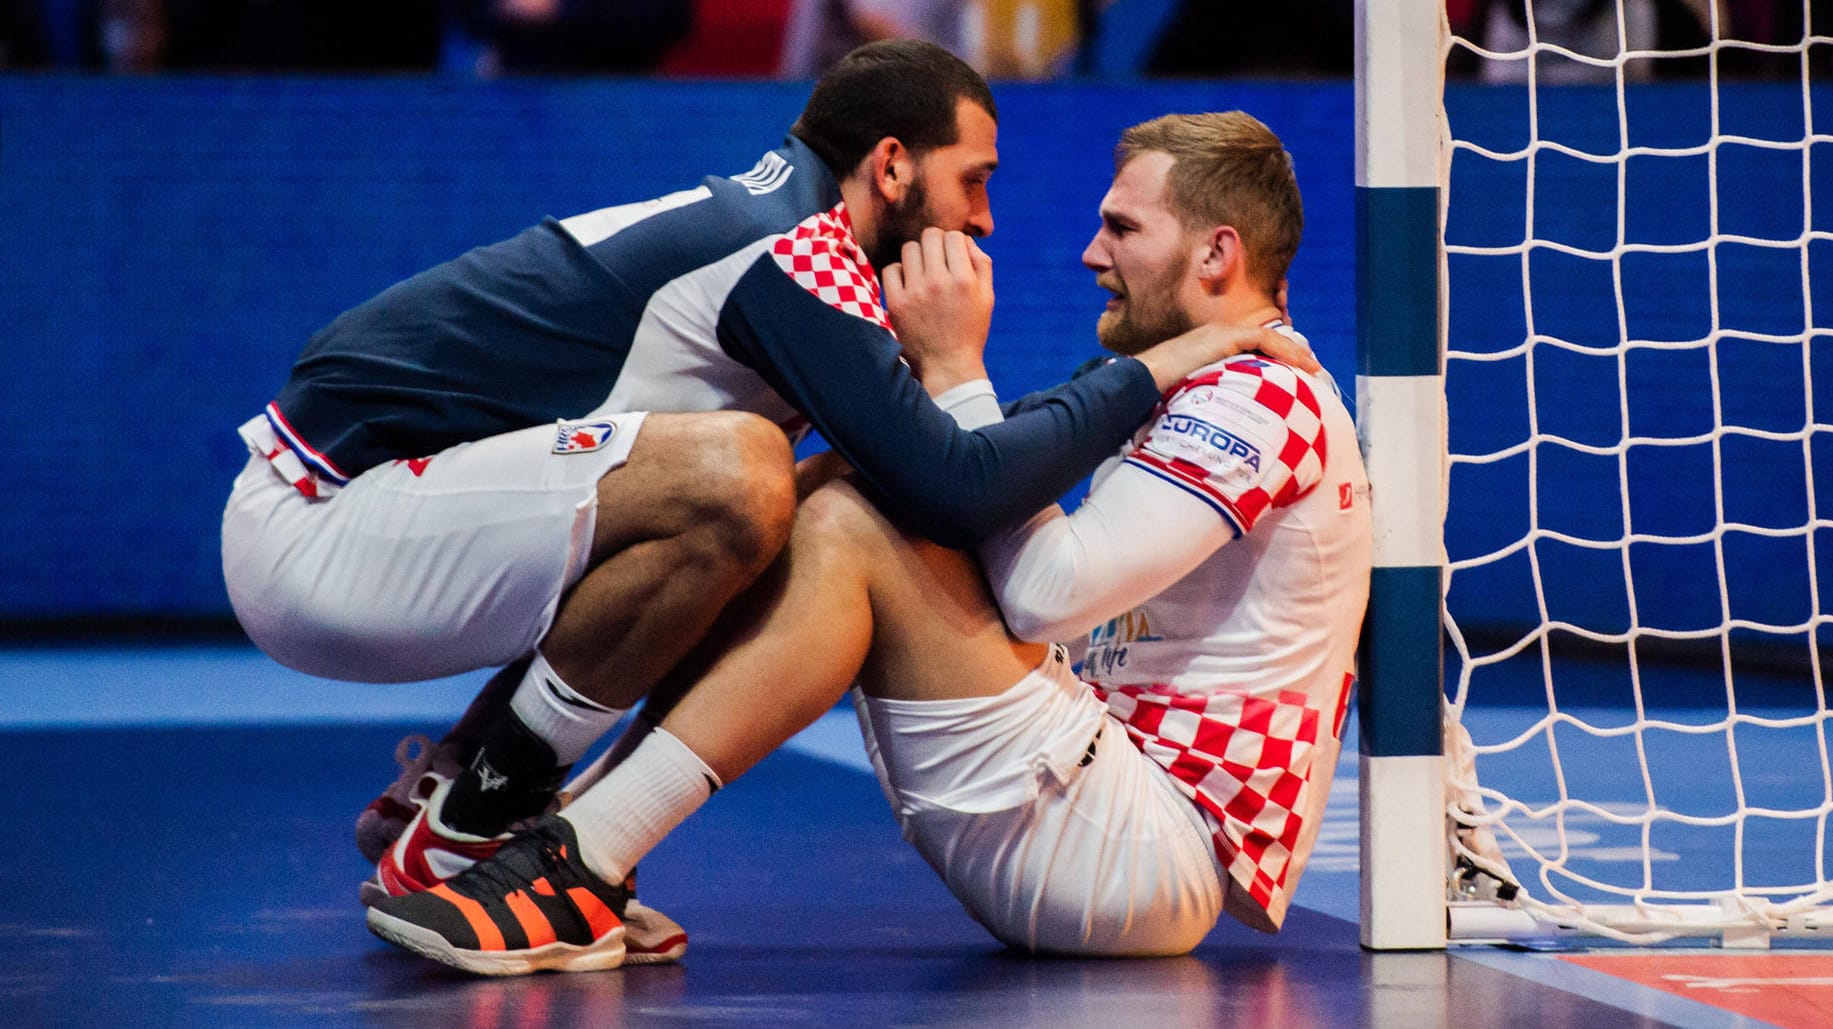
x=167, y=246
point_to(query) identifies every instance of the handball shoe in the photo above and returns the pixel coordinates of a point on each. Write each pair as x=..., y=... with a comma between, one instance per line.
x=424, y=765
x=533, y=906
x=428, y=852
x=650, y=937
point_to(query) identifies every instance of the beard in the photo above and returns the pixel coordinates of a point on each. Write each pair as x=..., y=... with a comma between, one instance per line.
x=1148, y=316
x=904, y=222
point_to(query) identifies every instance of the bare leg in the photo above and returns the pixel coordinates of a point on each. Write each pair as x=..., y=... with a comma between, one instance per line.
x=739, y=619
x=485, y=706
x=861, y=601
x=851, y=598
x=698, y=511
x=696, y=514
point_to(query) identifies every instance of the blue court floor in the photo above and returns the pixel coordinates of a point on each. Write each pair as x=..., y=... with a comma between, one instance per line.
x=180, y=854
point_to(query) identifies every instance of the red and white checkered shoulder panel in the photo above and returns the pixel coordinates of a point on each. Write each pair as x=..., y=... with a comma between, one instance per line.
x=822, y=256
x=1248, y=434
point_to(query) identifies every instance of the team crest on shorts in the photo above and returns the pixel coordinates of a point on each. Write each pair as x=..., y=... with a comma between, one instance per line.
x=583, y=437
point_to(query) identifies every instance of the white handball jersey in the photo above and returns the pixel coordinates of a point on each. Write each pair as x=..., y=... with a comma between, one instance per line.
x=1234, y=533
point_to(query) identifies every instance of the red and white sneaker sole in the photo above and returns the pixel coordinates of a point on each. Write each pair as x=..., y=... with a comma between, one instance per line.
x=651, y=937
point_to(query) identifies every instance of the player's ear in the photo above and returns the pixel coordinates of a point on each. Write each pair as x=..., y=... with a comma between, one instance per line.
x=1221, y=257
x=890, y=169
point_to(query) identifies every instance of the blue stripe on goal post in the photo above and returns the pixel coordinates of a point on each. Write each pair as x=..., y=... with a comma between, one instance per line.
x=1400, y=419
x=1397, y=280
x=1397, y=318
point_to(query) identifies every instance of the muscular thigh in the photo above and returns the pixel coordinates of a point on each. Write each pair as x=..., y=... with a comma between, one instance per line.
x=726, y=472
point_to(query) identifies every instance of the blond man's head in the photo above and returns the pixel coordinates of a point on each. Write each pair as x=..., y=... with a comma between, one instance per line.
x=1228, y=169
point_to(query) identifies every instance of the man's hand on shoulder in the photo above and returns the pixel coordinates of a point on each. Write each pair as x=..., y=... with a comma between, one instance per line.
x=940, y=296
x=1176, y=358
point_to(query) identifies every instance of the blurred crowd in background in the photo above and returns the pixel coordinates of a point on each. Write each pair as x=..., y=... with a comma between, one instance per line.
x=1005, y=39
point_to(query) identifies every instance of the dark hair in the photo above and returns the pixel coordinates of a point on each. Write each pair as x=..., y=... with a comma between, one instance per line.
x=905, y=88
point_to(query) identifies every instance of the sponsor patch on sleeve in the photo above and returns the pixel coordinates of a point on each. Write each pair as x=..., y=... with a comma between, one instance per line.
x=1249, y=436
x=582, y=437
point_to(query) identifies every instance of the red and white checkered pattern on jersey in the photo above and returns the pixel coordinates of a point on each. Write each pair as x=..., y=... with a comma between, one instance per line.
x=1298, y=463
x=1245, y=758
x=824, y=258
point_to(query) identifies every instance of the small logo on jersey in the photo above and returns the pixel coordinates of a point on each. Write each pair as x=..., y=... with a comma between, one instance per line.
x=1215, y=437
x=417, y=465
x=1348, y=493
x=769, y=174
x=1109, y=645
x=582, y=437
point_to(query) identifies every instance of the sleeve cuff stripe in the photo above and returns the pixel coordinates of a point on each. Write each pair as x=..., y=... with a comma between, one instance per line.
x=1221, y=506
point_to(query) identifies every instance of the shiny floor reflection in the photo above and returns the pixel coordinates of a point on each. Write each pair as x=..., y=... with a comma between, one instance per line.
x=205, y=876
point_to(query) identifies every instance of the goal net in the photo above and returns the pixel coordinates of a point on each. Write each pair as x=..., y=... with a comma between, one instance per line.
x=1637, y=308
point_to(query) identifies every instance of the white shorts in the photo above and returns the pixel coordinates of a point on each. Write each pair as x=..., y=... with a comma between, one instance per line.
x=417, y=569
x=1053, y=844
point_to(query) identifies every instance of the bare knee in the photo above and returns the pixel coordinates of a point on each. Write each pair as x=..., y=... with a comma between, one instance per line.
x=722, y=482
x=838, y=517
x=838, y=520
x=742, y=493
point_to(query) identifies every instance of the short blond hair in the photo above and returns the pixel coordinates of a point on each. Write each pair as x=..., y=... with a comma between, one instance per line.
x=1227, y=169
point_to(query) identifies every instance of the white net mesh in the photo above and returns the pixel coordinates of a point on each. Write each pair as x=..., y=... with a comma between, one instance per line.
x=1639, y=556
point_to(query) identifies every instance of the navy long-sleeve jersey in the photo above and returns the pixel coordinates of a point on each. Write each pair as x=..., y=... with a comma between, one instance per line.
x=745, y=293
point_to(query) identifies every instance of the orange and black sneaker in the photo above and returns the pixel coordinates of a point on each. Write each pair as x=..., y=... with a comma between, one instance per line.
x=532, y=907
x=429, y=853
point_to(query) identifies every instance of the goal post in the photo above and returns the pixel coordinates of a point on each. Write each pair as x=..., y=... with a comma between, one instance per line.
x=1400, y=416
x=1595, y=296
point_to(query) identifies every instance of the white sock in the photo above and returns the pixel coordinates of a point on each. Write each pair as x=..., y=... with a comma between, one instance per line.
x=623, y=816
x=555, y=712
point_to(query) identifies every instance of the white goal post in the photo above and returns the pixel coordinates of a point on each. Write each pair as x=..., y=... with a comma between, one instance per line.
x=1399, y=411
x=1594, y=298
